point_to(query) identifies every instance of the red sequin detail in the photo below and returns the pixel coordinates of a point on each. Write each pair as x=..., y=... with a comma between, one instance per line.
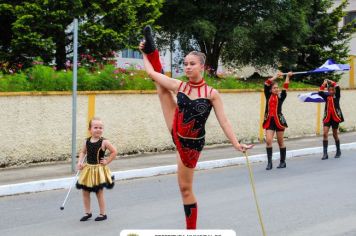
x=186, y=129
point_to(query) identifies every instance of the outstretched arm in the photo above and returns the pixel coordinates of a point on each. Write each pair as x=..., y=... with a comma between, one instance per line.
x=286, y=86
x=225, y=123
x=323, y=85
x=286, y=82
x=322, y=88
x=161, y=79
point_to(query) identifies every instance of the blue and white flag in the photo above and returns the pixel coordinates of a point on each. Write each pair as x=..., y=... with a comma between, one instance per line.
x=310, y=97
x=330, y=66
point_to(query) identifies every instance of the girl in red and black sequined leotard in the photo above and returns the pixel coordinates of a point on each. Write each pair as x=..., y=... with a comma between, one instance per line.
x=186, y=117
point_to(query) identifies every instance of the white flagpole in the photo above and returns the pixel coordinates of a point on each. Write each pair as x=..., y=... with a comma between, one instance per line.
x=310, y=72
x=298, y=73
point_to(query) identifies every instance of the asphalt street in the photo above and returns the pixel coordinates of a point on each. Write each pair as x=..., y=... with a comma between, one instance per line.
x=309, y=197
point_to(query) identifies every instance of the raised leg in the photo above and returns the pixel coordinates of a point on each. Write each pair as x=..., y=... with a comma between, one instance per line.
x=166, y=98
x=168, y=105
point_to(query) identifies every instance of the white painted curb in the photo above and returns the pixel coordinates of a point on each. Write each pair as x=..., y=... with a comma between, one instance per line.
x=43, y=185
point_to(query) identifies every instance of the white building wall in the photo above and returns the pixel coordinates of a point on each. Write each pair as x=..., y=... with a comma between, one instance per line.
x=165, y=57
x=350, y=8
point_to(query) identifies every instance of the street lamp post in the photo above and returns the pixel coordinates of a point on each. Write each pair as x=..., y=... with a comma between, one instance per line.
x=74, y=94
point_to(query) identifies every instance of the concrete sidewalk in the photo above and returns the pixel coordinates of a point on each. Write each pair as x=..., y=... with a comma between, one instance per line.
x=217, y=152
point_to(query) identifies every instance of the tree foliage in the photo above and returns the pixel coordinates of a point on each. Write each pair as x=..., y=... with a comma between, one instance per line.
x=238, y=32
x=288, y=34
x=326, y=39
x=43, y=28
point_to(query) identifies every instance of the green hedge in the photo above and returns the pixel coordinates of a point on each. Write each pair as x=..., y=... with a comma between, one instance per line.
x=45, y=78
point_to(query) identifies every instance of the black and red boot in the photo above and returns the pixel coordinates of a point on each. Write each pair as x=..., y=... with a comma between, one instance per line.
x=151, y=50
x=191, y=215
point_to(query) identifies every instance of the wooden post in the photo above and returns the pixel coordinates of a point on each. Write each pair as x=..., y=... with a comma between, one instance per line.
x=91, y=108
x=318, y=119
x=352, y=72
x=262, y=113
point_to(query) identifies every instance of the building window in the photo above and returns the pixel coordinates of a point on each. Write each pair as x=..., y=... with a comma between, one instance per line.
x=350, y=16
x=129, y=53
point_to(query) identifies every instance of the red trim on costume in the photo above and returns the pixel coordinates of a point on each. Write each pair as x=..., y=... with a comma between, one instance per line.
x=186, y=84
x=267, y=123
x=331, y=111
x=268, y=82
x=334, y=84
x=191, y=221
x=328, y=113
x=181, y=83
x=154, y=59
x=334, y=114
x=188, y=156
x=190, y=89
x=211, y=90
x=279, y=125
x=199, y=92
x=286, y=85
x=197, y=84
x=206, y=90
x=186, y=129
x=272, y=112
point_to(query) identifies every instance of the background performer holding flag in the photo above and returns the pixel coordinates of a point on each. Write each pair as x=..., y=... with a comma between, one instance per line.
x=332, y=115
x=274, y=121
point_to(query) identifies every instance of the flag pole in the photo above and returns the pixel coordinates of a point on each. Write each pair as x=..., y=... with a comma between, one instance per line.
x=298, y=73
x=311, y=72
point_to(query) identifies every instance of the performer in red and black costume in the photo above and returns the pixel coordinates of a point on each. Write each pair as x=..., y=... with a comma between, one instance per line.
x=186, y=117
x=274, y=121
x=332, y=115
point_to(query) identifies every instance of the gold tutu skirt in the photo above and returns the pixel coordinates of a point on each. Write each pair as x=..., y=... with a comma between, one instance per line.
x=95, y=177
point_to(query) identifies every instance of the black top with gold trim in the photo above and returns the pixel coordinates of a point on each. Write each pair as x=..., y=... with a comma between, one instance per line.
x=94, y=151
x=332, y=104
x=95, y=176
x=274, y=106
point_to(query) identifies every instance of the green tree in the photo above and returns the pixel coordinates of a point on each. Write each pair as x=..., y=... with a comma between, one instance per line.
x=43, y=28
x=7, y=18
x=325, y=40
x=40, y=30
x=113, y=25
x=238, y=32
